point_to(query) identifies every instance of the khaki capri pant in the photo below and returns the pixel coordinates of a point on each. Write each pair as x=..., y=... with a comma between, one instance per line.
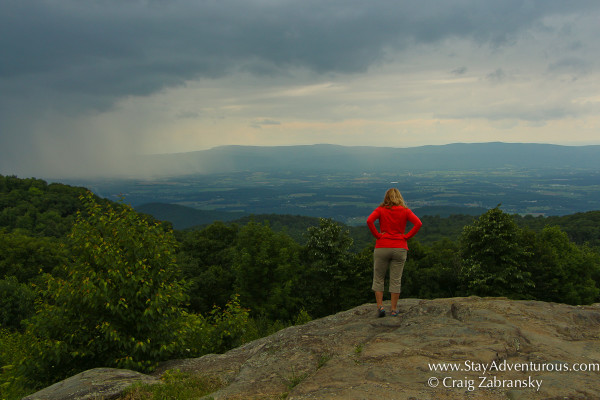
x=384, y=258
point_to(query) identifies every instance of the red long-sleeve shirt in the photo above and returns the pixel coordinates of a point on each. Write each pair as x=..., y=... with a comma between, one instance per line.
x=392, y=222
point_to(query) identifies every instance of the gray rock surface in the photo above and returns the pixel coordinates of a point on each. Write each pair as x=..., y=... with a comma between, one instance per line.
x=93, y=384
x=354, y=355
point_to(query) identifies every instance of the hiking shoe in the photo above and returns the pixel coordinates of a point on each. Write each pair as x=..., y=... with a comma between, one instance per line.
x=381, y=312
x=395, y=313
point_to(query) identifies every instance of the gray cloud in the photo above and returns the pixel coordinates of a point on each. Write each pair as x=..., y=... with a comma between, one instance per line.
x=187, y=114
x=264, y=122
x=573, y=65
x=459, y=71
x=117, y=48
x=72, y=57
x=498, y=76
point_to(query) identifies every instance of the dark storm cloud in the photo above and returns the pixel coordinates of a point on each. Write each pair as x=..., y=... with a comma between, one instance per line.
x=116, y=48
x=61, y=59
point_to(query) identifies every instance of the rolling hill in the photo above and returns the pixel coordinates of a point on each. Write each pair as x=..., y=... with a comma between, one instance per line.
x=335, y=158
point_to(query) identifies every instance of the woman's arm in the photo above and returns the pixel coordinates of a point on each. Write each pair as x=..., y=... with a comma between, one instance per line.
x=416, y=222
x=371, y=223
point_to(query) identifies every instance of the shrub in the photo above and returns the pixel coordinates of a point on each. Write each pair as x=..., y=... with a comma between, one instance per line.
x=119, y=302
x=219, y=331
x=13, y=349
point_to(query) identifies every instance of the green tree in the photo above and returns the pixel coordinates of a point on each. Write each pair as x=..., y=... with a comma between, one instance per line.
x=265, y=265
x=37, y=208
x=357, y=289
x=563, y=271
x=328, y=272
x=16, y=302
x=495, y=257
x=26, y=257
x=206, y=259
x=119, y=302
x=432, y=271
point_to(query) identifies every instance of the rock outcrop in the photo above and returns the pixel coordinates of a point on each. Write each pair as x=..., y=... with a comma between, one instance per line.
x=94, y=384
x=501, y=349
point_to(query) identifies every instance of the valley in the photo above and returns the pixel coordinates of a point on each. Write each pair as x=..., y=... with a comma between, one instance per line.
x=350, y=197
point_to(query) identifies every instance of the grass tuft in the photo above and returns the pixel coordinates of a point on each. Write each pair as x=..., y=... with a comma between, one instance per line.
x=176, y=385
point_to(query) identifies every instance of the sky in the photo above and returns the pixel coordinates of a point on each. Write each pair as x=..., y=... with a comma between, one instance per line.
x=85, y=85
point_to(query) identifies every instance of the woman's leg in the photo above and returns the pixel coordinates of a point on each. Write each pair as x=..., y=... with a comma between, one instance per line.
x=379, y=298
x=395, y=297
x=381, y=259
x=396, y=267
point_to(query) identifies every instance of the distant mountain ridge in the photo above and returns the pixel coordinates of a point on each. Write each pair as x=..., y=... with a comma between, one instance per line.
x=328, y=157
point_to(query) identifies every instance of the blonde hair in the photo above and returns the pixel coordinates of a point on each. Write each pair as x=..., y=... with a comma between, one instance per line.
x=393, y=198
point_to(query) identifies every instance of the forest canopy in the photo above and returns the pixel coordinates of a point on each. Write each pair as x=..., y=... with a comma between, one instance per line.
x=87, y=282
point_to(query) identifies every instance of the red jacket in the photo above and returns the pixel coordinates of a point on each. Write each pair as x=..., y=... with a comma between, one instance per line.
x=392, y=222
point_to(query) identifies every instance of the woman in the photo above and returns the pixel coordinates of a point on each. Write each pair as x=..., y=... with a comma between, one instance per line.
x=390, y=247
